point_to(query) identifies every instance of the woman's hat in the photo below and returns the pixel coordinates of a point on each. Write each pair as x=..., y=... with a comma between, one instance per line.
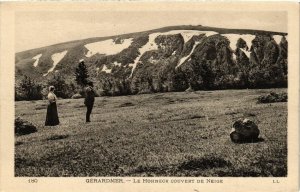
x=51, y=88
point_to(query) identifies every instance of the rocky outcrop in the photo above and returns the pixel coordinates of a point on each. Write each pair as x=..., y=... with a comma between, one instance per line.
x=273, y=98
x=244, y=130
x=76, y=96
x=23, y=127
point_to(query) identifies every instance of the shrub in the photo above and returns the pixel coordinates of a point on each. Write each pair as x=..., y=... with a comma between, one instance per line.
x=23, y=127
x=62, y=88
x=272, y=98
x=28, y=89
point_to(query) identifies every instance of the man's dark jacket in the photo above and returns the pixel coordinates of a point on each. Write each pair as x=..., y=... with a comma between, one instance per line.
x=90, y=97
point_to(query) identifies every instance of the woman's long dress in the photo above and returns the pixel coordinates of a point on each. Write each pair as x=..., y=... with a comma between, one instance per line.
x=52, y=115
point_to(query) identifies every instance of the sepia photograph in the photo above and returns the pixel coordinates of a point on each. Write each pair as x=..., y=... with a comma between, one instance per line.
x=150, y=95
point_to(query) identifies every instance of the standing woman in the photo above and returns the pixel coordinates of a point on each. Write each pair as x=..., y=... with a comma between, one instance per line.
x=52, y=116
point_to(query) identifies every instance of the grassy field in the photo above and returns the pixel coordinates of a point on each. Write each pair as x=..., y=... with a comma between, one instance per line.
x=164, y=134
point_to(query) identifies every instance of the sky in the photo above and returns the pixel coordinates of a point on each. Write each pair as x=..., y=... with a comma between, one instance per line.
x=37, y=29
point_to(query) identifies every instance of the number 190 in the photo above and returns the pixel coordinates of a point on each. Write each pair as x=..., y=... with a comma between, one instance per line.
x=32, y=180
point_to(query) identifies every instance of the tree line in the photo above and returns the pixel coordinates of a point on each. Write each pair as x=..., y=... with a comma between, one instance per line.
x=29, y=89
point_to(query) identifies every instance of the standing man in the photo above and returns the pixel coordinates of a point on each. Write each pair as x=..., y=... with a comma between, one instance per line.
x=89, y=100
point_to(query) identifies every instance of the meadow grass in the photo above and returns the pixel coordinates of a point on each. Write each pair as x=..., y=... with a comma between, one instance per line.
x=163, y=134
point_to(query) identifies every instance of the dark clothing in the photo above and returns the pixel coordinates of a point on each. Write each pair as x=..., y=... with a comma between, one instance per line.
x=89, y=102
x=52, y=116
x=88, y=113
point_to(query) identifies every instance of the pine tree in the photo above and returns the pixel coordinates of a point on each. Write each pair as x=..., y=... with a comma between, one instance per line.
x=81, y=74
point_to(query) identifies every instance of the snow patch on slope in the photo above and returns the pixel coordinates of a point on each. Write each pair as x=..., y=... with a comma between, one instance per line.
x=277, y=38
x=36, y=58
x=233, y=56
x=188, y=34
x=105, y=69
x=107, y=47
x=117, y=64
x=57, y=57
x=183, y=59
x=152, y=60
x=151, y=45
x=233, y=38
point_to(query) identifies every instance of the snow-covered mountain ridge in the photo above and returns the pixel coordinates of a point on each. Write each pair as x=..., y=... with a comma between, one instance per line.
x=144, y=60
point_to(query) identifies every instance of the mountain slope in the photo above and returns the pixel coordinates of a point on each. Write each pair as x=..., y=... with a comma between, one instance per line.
x=166, y=59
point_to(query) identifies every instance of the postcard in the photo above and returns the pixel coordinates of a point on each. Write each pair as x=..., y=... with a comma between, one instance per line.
x=149, y=96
